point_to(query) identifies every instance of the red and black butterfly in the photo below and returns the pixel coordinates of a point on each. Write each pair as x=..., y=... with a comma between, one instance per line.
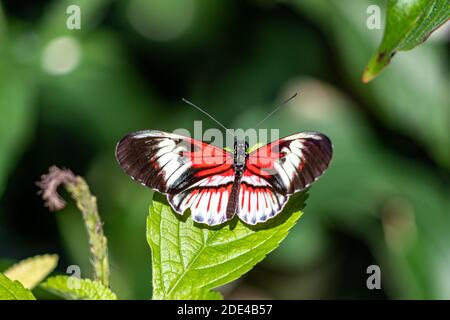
x=216, y=184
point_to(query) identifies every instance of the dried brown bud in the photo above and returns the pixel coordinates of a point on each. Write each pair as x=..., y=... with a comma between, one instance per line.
x=49, y=184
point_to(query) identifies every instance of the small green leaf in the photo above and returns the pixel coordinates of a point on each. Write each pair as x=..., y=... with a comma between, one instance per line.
x=189, y=259
x=255, y=147
x=408, y=24
x=73, y=288
x=30, y=272
x=13, y=290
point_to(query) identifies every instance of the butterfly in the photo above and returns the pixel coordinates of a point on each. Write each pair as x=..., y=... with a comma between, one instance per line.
x=217, y=184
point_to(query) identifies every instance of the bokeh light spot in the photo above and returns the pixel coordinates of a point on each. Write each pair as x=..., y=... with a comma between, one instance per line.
x=62, y=55
x=161, y=20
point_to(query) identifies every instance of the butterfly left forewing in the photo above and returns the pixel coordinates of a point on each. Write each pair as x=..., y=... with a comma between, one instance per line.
x=169, y=163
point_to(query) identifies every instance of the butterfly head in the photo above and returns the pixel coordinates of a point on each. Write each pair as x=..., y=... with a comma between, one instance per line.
x=240, y=153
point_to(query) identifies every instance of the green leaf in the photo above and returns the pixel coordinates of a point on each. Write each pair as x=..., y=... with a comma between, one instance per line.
x=73, y=288
x=189, y=259
x=13, y=290
x=408, y=24
x=30, y=272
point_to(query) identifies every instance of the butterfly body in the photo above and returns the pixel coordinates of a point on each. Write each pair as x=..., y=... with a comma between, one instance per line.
x=216, y=184
x=239, y=160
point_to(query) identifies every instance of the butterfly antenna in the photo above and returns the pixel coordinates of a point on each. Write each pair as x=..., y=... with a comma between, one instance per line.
x=276, y=109
x=203, y=111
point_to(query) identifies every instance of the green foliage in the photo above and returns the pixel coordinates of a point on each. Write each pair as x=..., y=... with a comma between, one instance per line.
x=13, y=290
x=408, y=24
x=189, y=260
x=419, y=107
x=388, y=208
x=30, y=272
x=16, y=115
x=78, y=289
x=17, y=97
x=6, y=263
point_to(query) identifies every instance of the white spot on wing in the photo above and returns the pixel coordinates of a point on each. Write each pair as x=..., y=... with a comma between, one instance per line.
x=282, y=173
x=178, y=172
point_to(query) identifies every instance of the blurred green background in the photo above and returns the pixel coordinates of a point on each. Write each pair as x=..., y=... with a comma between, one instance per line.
x=67, y=97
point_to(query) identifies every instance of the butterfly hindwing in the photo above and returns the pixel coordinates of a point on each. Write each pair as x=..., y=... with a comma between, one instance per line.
x=207, y=199
x=258, y=200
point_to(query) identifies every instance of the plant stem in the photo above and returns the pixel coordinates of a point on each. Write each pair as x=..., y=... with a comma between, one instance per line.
x=87, y=204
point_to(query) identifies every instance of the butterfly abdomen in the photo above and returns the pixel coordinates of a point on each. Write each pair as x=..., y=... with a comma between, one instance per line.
x=233, y=200
x=240, y=158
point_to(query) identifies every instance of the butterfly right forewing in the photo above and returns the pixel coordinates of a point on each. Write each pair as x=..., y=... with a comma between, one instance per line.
x=292, y=163
x=277, y=170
